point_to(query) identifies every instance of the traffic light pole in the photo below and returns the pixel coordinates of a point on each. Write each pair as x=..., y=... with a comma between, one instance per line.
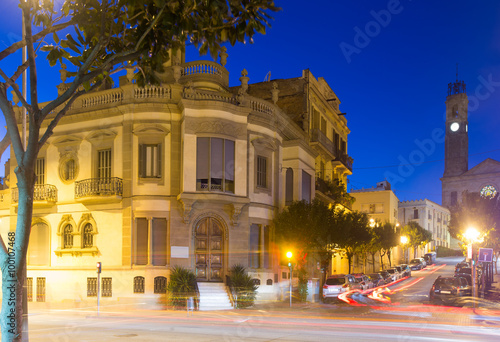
x=98, y=286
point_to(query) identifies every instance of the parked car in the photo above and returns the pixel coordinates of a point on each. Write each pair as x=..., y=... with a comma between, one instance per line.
x=337, y=284
x=364, y=281
x=416, y=264
x=406, y=270
x=461, y=264
x=377, y=279
x=394, y=273
x=423, y=262
x=449, y=290
x=387, y=276
x=466, y=272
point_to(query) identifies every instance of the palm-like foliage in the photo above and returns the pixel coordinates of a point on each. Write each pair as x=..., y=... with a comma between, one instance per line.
x=243, y=287
x=181, y=286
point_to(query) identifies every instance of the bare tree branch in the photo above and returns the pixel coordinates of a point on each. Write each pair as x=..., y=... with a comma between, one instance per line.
x=31, y=59
x=16, y=90
x=4, y=143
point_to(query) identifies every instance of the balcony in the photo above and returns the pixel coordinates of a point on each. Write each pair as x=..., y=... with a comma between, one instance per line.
x=205, y=73
x=319, y=138
x=99, y=190
x=44, y=195
x=342, y=159
x=333, y=192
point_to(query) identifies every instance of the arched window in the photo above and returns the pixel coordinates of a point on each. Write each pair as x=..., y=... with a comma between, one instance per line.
x=68, y=236
x=160, y=285
x=88, y=236
x=138, y=284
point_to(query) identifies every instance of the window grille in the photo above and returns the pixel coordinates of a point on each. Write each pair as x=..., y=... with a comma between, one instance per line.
x=150, y=160
x=92, y=287
x=107, y=287
x=40, y=289
x=160, y=285
x=29, y=288
x=68, y=236
x=40, y=171
x=139, y=284
x=104, y=163
x=88, y=237
x=261, y=172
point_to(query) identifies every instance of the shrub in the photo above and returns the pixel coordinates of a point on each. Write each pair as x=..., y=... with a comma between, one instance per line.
x=242, y=287
x=302, y=288
x=181, y=286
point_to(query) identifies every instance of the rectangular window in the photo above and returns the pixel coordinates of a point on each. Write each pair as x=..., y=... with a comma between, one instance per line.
x=215, y=165
x=372, y=208
x=40, y=289
x=415, y=213
x=29, y=286
x=40, y=171
x=254, y=246
x=92, y=287
x=159, y=235
x=104, y=163
x=261, y=172
x=323, y=125
x=306, y=186
x=150, y=160
x=107, y=287
x=266, y=254
x=138, y=284
x=141, y=241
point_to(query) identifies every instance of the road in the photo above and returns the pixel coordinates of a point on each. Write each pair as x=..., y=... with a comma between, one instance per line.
x=404, y=315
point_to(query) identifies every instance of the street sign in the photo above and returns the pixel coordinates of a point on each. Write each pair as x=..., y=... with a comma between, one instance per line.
x=485, y=255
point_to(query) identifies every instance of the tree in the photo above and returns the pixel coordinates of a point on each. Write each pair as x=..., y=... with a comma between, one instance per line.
x=354, y=229
x=388, y=238
x=480, y=213
x=417, y=236
x=101, y=38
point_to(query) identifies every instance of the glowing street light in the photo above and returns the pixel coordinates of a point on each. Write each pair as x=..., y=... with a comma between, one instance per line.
x=404, y=241
x=289, y=256
x=472, y=236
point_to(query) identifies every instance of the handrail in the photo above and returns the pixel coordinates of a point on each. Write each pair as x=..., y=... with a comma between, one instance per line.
x=42, y=192
x=99, y=187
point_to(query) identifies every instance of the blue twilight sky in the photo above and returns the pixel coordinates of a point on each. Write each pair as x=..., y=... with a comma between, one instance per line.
x=389, y=62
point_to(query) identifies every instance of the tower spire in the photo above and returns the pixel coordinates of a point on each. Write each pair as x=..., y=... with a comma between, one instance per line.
x=457, y=87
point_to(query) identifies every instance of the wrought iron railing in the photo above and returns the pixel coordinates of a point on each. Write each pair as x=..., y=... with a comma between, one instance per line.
x=344, y=159
x=99, y=187
x=318, y=136
x=42, y=192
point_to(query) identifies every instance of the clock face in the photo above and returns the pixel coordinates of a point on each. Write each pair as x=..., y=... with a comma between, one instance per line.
x=454, y=126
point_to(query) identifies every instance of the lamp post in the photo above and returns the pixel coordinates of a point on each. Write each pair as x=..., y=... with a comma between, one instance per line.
x=289, y=256
x=404, y=241
x=472, y=235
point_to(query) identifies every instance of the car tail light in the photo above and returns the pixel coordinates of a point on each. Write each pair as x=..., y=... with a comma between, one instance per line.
x=345, y=285
x=325, y=286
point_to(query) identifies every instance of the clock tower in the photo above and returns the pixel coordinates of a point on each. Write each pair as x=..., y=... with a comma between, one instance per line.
x=456, y=144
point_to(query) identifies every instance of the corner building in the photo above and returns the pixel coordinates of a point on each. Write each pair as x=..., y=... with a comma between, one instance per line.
x=189, y=173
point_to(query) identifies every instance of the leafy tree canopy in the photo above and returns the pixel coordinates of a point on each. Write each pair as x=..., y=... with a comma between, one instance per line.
x=417, y=236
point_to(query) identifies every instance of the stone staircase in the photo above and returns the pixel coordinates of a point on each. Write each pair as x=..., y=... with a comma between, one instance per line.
x=214, y=296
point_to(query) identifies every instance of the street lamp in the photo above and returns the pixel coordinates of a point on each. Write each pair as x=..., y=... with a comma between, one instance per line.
x=404, y=241
x=289, y=256
x=472, y=235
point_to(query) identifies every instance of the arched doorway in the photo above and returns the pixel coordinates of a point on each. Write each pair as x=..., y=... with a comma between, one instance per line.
x=209, y=247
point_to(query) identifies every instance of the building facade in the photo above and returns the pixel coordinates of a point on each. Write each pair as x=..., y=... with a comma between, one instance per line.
x=430, y=216
x=189, y=173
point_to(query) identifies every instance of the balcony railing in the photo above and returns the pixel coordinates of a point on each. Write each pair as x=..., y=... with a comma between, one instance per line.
x=99, y=187
x=320, y=137
x=42, y=192
x=205, y=71
x=344, y=159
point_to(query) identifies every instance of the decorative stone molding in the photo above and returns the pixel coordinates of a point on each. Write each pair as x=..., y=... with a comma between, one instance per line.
x=87, y=218
x=244, y=80
x=215, y=126
x=275, y=93
x=151, y=129
x=236, y=209
x=186, y=208
x=101, y=136
x=262, y=143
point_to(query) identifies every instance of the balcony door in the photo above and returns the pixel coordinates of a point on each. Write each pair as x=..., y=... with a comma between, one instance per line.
x=209, y=250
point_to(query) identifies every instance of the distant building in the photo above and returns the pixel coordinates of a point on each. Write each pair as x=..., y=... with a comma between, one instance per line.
x=430, y=216
x=380, y=202
x=484, y=178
